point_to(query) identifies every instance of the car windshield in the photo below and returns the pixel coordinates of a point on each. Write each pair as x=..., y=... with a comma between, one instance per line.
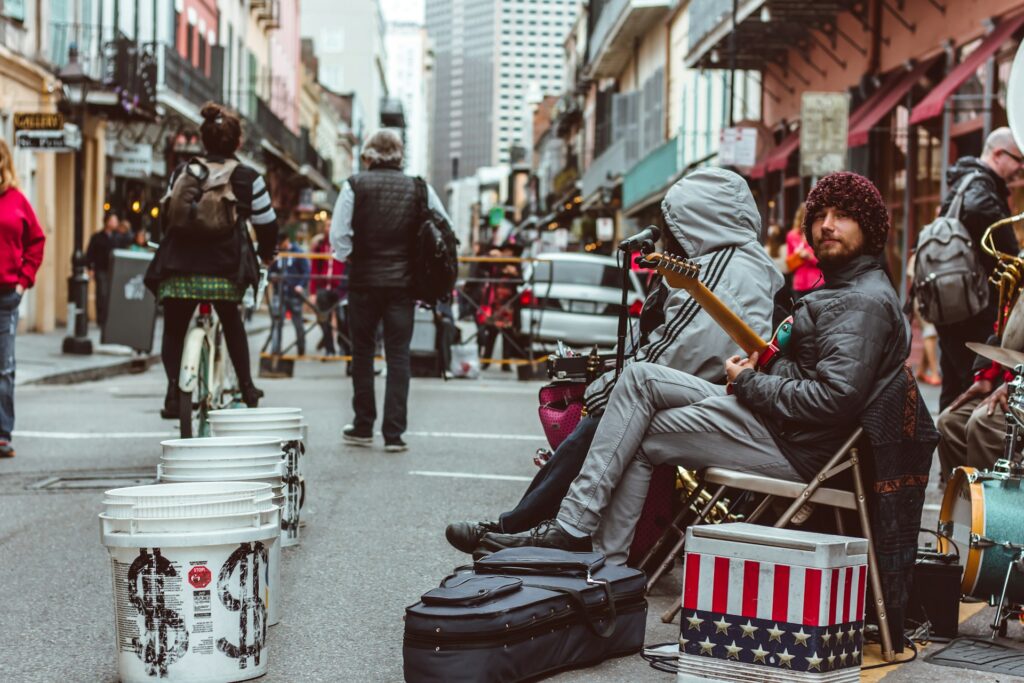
x=576, y=273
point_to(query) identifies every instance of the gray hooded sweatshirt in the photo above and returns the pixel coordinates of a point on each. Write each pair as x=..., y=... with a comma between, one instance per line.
x=712, y=214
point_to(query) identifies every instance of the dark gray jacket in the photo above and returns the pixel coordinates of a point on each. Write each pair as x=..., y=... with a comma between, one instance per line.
x=385, y=217
x=849, y=341
x=985, y=202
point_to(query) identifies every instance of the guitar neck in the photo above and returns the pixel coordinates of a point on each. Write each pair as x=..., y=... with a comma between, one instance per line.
x=739, y=331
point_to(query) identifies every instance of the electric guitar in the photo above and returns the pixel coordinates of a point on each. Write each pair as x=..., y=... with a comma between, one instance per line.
x=684, y=274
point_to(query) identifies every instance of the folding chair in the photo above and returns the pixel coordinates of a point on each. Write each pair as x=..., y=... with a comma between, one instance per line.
x=847, y=457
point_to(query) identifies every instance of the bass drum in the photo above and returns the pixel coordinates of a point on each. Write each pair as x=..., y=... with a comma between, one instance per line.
x=986, y=506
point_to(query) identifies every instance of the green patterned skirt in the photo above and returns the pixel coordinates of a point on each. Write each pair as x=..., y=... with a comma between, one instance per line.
x=200, y=287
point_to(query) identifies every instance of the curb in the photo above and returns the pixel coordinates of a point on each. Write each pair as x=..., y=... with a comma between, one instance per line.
x=130, y=366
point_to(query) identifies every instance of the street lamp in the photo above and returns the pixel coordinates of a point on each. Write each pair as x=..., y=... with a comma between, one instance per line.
x=76, y=89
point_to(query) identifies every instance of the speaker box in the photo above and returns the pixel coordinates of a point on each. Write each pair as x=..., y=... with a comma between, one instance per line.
x=935, y=593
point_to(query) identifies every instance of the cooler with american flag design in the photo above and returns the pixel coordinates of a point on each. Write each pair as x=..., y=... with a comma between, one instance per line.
x=766, y=604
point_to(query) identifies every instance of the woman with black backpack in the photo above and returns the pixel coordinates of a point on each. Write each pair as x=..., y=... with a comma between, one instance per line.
x=206, y=253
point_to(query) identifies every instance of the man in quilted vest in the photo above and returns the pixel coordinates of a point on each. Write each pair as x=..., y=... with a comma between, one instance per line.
x=849, y=341
x=711, y=218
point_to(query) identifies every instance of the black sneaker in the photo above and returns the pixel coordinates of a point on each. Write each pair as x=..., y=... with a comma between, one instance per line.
x=356, y=437
x=6, y=450
x=395, y=446
x=465, y=536
x=545, y=535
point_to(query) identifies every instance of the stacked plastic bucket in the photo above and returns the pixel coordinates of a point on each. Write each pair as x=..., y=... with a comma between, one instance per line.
x=193, y=578
x=287, y=427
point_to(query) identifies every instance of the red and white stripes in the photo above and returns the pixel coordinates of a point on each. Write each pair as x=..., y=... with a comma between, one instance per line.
x=774, y=592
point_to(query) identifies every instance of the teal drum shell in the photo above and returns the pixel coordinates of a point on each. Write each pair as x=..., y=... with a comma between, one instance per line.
x=1004, y=521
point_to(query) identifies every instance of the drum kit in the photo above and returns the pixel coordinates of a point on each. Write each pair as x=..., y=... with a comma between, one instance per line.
x=980, y=513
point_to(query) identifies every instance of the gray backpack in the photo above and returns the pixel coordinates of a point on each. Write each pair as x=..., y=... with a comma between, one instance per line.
x=950, y=283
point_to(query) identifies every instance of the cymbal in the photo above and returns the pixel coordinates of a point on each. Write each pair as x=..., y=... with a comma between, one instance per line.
x=1005, y=357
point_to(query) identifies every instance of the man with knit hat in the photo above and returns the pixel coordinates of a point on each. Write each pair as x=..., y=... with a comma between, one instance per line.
x=849, y=340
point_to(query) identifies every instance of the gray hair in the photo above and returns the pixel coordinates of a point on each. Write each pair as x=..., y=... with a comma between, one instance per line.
x=384, y=148
x=1000, y=138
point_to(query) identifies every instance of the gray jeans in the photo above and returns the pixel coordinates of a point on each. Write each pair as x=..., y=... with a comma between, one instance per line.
x=659, y=415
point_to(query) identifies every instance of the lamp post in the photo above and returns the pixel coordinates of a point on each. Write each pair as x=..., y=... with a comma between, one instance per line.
x=76, y=88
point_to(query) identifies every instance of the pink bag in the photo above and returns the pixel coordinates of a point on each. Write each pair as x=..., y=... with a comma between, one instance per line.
x=561, y=409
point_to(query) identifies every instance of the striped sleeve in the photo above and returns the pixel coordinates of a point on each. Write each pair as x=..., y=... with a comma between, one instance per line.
x=262, y=210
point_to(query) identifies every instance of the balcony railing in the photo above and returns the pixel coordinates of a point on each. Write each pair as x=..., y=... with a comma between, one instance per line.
x=87, y=40
x=616, y=29
x=276, y=132
x=605, y=169
x=186, y=80
x=312, y=158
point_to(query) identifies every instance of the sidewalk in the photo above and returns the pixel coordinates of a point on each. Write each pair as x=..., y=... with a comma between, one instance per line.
x=40, y=361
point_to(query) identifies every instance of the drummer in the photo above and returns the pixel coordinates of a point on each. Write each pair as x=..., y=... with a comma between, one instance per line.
x=973, y=427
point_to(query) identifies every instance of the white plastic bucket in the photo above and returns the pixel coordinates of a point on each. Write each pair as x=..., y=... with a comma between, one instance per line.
x=285, y=424
x=215, y=446
x=242, y=459
x=227, y=473
x=193, y=605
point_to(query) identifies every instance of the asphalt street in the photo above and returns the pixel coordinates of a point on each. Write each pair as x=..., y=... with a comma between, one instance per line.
x=373, y=540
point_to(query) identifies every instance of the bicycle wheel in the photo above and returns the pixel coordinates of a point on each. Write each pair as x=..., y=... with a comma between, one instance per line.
x=194, y=408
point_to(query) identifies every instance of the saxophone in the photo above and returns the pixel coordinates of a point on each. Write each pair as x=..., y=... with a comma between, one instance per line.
x=1008, y=273
x=720, y=513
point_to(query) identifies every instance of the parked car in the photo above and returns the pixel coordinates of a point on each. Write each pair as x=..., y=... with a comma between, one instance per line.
x=575, y=298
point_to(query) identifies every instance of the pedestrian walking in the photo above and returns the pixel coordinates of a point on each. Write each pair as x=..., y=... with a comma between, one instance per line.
x=140, y=241
x=21, y=252
x=985, y=201
x=99, y=259
x=123, y=237
x=201, y=260
x=800, y=258
x=374, y=226
x=291, y=275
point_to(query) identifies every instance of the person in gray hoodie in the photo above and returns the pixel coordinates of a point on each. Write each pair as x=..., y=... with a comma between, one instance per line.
x=713, y=220
x=849, y=341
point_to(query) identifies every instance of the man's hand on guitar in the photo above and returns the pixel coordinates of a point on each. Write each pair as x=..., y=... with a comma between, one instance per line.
x=736, y=365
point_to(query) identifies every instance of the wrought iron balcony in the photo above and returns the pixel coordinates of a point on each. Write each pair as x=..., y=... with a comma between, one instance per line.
x=276, y=132
x=616, y=27
x=189, y=82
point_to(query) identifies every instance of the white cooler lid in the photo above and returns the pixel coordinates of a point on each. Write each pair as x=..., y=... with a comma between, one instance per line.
x=781, y=546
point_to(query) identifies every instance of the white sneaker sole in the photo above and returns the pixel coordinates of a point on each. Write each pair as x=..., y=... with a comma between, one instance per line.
x=396, y=449
x=357, y=440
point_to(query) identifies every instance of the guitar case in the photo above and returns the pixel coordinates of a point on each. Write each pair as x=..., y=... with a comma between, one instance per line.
x=522, y=613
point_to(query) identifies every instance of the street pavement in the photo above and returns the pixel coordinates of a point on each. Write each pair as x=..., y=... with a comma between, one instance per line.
x=373, y=540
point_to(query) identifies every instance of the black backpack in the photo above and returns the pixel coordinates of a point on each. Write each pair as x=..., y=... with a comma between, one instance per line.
x=435, y=253
x=950, y=283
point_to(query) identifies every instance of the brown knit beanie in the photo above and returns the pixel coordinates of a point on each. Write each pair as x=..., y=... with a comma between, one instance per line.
x=857, y=196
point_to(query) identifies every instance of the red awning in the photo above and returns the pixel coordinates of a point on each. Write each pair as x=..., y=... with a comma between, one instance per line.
x=872, y=111
x=777, y=159
x=932, y=105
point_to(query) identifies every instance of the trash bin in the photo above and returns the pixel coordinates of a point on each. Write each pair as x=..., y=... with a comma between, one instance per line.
x=131, y=316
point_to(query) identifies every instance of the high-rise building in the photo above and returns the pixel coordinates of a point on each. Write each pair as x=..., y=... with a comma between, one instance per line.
x=409, y=64
x=489, y=56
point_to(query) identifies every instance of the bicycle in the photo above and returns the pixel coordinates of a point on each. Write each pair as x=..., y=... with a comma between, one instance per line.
x=207, y=379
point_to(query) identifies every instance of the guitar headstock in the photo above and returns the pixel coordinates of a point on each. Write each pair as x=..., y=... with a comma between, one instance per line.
x=678, y=272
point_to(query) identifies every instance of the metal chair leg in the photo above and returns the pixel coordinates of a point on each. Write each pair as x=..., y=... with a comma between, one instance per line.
x=669, y=615
x=888, y=653
x=670, y=559
x=814, y=485
x=677, y=528
x=840, y=527
x=760, y=509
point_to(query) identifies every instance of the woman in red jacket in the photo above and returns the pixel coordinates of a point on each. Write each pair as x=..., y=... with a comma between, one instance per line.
x=21, y=252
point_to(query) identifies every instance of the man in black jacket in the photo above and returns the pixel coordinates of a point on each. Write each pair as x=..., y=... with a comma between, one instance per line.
x=985, y=202
x=373, y=226
x=849, y=341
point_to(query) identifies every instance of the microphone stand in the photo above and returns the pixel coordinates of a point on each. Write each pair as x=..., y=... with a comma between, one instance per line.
x=628, y=249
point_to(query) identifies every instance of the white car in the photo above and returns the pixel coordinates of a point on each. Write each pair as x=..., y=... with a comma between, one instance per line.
x=575, y=298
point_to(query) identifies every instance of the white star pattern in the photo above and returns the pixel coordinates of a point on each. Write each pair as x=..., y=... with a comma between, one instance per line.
x=814, y=662
x=695, y=622
x=733, y=651
x=722, y=626
x=851, y=633
x=842, y=658
x=785, y=659
x=775, y=633
x=800, y=637
x=856, y=656
x=831, y=660
x=826, y=637
x=749, y=629
x=682, y=642
x=759, y=655
x=707, y=647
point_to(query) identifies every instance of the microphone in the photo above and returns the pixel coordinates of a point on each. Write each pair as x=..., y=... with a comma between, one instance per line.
x=651, y=233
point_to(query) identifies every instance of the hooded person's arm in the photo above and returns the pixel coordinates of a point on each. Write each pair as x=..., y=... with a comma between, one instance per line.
x=981, y=209
x=854, y=337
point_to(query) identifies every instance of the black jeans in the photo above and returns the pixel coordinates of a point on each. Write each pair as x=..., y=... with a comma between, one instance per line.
x=366, y=309
x=287, y=302
x=102, y=296
x=545, y=493
x=178, y=315
x=956, y=361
